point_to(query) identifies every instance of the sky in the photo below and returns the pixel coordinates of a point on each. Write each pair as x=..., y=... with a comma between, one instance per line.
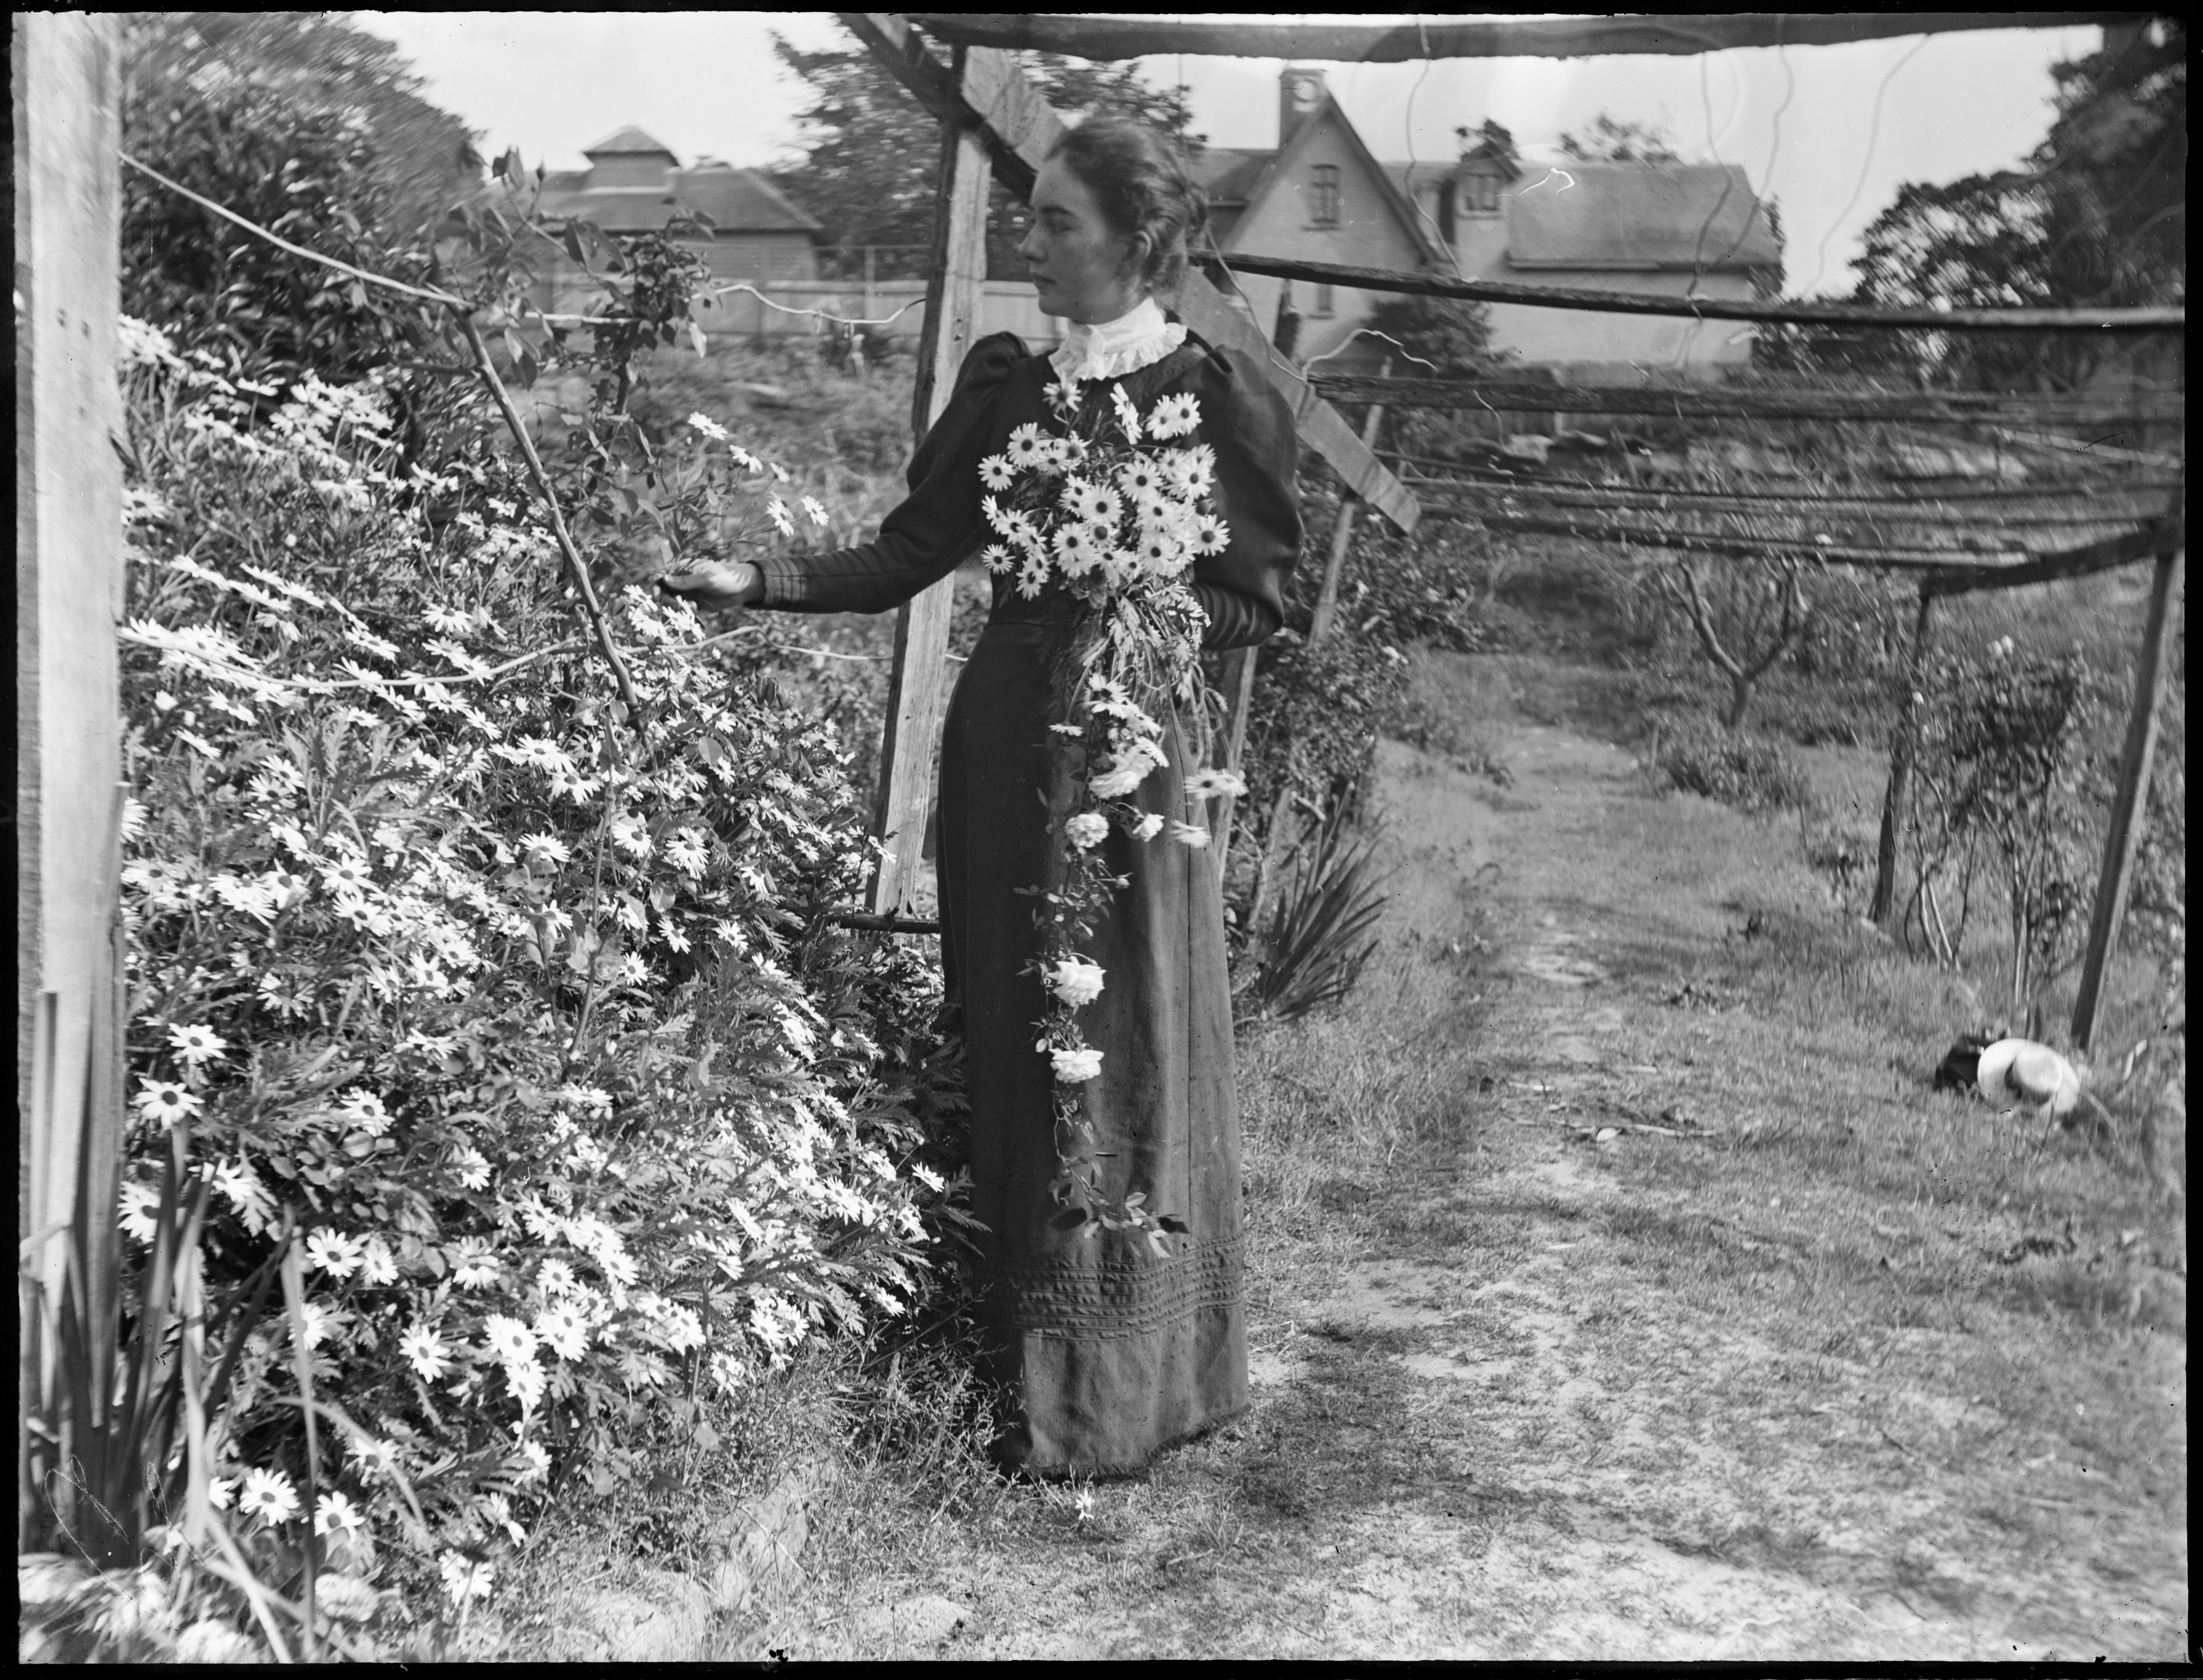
x=1830, y=131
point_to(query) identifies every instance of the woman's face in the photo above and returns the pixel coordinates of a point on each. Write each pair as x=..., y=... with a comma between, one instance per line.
x=1082, y=268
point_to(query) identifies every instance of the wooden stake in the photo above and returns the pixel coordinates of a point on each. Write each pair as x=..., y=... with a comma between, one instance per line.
x=69, y=598
x=1239, y=684
x=1342, y=532
x=918, y=689
x=1901, y=750
x=2130, y=804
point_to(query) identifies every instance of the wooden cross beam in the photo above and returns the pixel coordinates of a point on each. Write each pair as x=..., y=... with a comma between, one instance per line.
x=1105, y=36
x=1733, y=402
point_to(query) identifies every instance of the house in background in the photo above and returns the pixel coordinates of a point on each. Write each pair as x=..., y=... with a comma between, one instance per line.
x=634, y=185
x=1674, y=228
x=1687, y=229
x=1320, y=194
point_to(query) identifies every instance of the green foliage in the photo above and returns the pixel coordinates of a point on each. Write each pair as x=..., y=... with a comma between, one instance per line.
x=873, y=155
x=1615, y=140
x=2096, y=216
x=504, y=1018
x=1452, y=335
x=425, y=159
x=2006, y=791
x=1749, y=771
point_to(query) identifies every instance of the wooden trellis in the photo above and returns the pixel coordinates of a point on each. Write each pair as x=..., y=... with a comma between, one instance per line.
x=987, y=107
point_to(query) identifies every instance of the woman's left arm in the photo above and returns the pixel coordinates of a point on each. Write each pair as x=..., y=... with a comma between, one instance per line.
x=1248, y=424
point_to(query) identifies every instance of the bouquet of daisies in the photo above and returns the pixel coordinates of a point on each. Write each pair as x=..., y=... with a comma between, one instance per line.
x=1112, y=512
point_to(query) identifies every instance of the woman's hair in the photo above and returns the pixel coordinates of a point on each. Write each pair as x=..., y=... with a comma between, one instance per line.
x=1142, y=188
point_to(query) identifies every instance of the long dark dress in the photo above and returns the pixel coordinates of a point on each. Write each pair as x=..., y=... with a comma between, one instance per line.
x=1109, y=1351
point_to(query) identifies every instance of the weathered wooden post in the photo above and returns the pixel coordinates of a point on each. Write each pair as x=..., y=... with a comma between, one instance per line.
x=1901, y=750
x=1342, y=533
x=68, y=600
x=2130, y=803
x=918, y=691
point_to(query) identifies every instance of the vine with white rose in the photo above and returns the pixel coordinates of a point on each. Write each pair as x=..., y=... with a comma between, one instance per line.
x=1099, y=511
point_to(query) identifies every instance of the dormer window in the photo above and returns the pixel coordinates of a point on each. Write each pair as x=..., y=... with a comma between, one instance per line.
x=1480, y=193
x=1323, y=196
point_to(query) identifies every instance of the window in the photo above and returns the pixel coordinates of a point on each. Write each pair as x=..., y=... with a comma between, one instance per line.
x=1323, y=301
x=1323, y=196
x=1480, y=194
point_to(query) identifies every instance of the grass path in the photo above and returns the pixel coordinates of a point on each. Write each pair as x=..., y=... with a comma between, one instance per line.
x=1818, y=1363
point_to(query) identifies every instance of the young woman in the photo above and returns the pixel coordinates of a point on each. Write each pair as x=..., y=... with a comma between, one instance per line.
x=1109, y=1350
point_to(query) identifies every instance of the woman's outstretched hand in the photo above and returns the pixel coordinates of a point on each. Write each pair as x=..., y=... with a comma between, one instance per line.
x=709, y=584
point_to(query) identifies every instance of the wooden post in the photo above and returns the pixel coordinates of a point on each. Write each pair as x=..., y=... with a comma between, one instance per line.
x=1901, y=750
x=69, y=601
x=2130, y=803
x=1342, y=532
x=918, y=689
x=1239, y=685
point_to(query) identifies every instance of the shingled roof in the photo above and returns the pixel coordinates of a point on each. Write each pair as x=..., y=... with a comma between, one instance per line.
x=1640, y=216
x=737, y=200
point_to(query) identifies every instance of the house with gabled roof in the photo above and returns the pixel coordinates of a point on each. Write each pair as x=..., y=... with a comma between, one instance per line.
x=635, y=184
x=1677, y=230
x=1322, y=195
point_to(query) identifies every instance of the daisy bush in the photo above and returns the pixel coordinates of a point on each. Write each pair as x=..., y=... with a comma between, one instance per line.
x=518, y=1010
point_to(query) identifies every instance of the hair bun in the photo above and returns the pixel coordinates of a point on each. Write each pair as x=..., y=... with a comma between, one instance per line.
x=1141, y=182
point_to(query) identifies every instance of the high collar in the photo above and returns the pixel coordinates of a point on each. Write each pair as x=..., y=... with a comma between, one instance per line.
x=1111, y=349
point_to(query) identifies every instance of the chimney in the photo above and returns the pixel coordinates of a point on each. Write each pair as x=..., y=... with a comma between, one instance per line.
x=1299, y=93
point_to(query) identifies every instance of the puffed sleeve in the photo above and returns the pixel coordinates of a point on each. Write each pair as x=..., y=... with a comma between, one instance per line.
x=1249, y=425
x=938, y=522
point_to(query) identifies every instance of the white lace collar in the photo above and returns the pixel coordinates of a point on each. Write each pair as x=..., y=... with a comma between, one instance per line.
x=1111, y=349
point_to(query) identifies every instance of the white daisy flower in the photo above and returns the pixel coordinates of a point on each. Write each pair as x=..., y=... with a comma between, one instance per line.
x=776, y=510
x=334, y=1252
x=1095, y=503
x=268, y=1494
x=377, y=1265
x=1077, y=550
x=429, y=1354
x=508, y=1340
x=1032, y=578
x=1207, y=783
x=1214, y=535
x=135, y=1213
x=1174, y=415
x=997, y=558
x=546, y=849
x=1024, y=447
x=710, y=428
x=197, y=1044
x=164, y=1100
x=996, y=473
x=814, y=510
x=1143, y=481
x=1187, y=835
x=335, y=1513
x=1127, y=416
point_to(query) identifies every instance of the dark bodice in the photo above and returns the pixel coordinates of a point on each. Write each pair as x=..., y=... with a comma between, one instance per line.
x=940, y=525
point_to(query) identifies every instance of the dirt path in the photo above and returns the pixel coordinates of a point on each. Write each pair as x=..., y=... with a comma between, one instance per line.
x=1531, y=1382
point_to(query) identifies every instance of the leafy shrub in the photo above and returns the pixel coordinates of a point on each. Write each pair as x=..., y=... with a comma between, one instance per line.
x=2003, y=782
x=523, y=1006
x=1746, y=771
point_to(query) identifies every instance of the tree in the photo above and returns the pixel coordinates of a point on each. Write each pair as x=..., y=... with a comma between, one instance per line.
x=425, y=158
x=1613, y=141
x=2097, y=216
x=871, y=168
